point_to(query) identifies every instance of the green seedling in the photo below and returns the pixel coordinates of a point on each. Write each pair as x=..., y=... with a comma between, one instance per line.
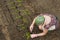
x=19, y=4
x=25, y=12
x=18, y=17
x=19, y=0
x=12, y=7
x=25, y=20
x=27, y=35
x=21, y=27
x=10, y=3
x=16, y=11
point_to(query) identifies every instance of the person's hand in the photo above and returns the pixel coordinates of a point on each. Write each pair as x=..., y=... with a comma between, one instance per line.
x=33, y=35
x=31, y=28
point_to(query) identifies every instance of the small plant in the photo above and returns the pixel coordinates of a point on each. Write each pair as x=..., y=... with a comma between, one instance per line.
x=16, y=11
x=19, y=0
x=27, y=35
x=19, y=4
x=17, y=17
x=25, y=12
x=25, y=20
x=9, y=3
x=12, y=7
x=21, y=27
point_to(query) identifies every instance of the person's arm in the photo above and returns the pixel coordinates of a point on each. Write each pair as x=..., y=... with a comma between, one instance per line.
x=32, y=25
x=45, y=31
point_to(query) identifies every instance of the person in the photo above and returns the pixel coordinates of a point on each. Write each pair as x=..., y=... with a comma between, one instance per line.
x=45, y=22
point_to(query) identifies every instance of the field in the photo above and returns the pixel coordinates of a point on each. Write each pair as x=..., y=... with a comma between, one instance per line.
x=17, y=15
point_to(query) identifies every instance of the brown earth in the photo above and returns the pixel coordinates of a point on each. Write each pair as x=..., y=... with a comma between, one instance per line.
x=17, y=15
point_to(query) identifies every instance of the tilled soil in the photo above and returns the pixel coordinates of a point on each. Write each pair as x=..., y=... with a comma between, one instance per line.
x=17, y=15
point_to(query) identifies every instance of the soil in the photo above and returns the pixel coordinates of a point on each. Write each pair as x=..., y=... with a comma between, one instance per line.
x=17, y=15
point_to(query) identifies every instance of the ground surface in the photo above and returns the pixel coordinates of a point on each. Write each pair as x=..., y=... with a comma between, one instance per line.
x=17, y=15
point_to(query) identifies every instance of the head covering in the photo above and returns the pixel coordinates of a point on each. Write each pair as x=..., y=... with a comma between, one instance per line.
x=39, y=20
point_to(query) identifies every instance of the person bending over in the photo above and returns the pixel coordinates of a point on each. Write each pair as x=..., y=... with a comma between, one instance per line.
x=45, y=22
